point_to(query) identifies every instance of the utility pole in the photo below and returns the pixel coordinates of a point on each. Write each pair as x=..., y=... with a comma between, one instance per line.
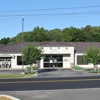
x=22, y=42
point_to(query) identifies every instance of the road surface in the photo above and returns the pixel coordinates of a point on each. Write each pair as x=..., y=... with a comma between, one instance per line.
x=49, y=83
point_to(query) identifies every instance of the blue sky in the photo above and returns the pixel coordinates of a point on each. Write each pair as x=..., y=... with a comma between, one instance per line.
x=49, y=14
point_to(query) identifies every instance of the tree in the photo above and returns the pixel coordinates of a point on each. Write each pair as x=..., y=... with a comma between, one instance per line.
x=38, y=34
x=12, y=40
x=66, y=36
x=54, y=35
x=92, y=55
x=5, y=40
x=71, y=34
x=32, y=54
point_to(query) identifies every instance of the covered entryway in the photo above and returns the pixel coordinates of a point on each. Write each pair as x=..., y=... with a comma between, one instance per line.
x=53, y=61
x=5, y=61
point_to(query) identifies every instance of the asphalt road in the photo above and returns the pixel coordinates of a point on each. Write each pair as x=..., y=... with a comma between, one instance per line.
x=49, y=83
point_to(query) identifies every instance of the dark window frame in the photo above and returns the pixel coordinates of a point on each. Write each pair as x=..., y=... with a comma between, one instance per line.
x=20, y=61
x=80, y=60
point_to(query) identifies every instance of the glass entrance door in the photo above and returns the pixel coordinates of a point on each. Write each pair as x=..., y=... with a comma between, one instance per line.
x=53, y=61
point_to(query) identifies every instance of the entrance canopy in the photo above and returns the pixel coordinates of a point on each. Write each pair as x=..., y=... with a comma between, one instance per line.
x=5, y=55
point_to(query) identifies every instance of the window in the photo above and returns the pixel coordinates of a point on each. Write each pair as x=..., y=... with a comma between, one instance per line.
x=46, y=61
x=19, y=60
x=0, y=62
x=81, y=61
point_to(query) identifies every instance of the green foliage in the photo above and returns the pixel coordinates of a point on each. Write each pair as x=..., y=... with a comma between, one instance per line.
x=73, y=34
x=12, y=40
x=69, y=34
x=66, y=36
x=11, y=76
x=4, y=40
x=39, y=34
x=27, y=70
x=93, y=71
x=78, y=68
x=32, y=54
x=34, y=69
x=92, y=55
x=54, y=35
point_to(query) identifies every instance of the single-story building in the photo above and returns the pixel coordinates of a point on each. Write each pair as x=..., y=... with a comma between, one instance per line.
x=57, y=54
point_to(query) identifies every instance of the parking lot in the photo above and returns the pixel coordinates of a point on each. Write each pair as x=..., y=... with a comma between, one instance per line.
x=51, y=73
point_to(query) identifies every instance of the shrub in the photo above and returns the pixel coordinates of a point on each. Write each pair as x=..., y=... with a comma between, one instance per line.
x=78, y=68
x=93, y=71
x=34, y=67
x=27, y=70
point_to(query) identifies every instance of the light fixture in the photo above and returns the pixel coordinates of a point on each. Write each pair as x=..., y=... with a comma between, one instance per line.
x=13, y=57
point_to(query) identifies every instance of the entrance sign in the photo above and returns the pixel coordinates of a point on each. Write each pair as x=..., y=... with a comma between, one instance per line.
x=54, y=51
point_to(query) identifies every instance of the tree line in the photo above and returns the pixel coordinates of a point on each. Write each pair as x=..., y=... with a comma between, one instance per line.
x=70, y=34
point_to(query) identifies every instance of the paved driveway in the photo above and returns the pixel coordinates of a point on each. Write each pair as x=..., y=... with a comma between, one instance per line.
x=64, y=73
x=52, y=73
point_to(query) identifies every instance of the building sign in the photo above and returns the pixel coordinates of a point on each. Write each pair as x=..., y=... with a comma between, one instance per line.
x=54, y=51
x=65, y=60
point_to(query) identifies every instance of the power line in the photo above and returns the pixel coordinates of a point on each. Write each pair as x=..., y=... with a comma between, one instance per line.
x=46, y=17
x=51, y=14
x=53, y=9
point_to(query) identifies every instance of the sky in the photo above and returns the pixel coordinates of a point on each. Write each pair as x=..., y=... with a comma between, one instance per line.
x=49, y=14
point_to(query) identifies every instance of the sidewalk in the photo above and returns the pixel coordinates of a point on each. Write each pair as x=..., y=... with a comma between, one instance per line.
x=61, y=94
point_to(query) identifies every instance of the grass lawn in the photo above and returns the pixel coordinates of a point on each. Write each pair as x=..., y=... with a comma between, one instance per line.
x=9, y=76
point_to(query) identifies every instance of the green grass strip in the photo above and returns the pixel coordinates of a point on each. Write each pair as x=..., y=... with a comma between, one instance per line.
x=9, y=76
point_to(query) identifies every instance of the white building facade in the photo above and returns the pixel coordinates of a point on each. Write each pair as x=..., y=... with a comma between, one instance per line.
x=62, y=55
